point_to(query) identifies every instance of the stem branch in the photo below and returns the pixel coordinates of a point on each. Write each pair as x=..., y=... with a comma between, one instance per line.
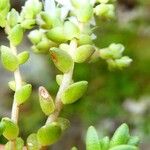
x=65, y=83
x=18, y=81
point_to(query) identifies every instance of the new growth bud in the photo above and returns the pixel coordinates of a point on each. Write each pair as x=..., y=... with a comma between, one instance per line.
x=31, y=9
x=113, y=55
x=105, y=11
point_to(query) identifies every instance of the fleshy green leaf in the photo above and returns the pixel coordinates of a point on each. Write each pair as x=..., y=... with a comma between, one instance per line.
x=32, y=142
x=4, y=4
x=85, y=13
x=44, y=45
x=121, y=136
x=49, y=134
x=35, y=36
x=28, y=23
x=92, y=140
x=105, y=11
x=116, y=50
x=11, y=129
x=23, y=57
x=123, y=62
x=23, y=93
x=18, y=144
x=12, y=17
x=83, y=53
x=16, y=35
x=9, y=60
x=71, y=30
x=65, y=47
x=84, y=39
x=44, y=20
x=46, y=101
x=74, y=92
x=12, y=85
x=57, y=34
x=61, y=59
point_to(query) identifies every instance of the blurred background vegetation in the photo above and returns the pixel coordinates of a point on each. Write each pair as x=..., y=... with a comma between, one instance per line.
x=112, y=97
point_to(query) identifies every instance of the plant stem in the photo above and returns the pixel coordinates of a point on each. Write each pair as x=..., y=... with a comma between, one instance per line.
x=18, y=81
x=67, y=77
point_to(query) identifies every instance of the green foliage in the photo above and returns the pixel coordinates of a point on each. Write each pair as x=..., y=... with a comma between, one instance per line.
x=32, y=142
x=49, y=134
x=16, y=35
x=4, y=9
x=54, y=35
x=121, y=136
x=35, y=36
x=83, y=53
x=9, y=60
x=74, y=92
x=61, y=59
x=46, y=101
x=11, y=129
x=84, y=15
x=22, y=94
x=105, y=11
x=113, y=55
x=57, y=34
x=92, y=140
x=19, y=144
x=23, y=57
x=119, y=141
x=12, y=18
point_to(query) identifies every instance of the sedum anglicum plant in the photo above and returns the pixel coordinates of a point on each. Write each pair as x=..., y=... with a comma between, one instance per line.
x=64, y=30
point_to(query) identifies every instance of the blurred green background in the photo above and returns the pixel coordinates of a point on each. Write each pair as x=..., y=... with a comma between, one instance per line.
x=112, y=97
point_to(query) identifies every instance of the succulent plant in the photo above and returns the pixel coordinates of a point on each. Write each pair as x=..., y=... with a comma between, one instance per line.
x=67, y=40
